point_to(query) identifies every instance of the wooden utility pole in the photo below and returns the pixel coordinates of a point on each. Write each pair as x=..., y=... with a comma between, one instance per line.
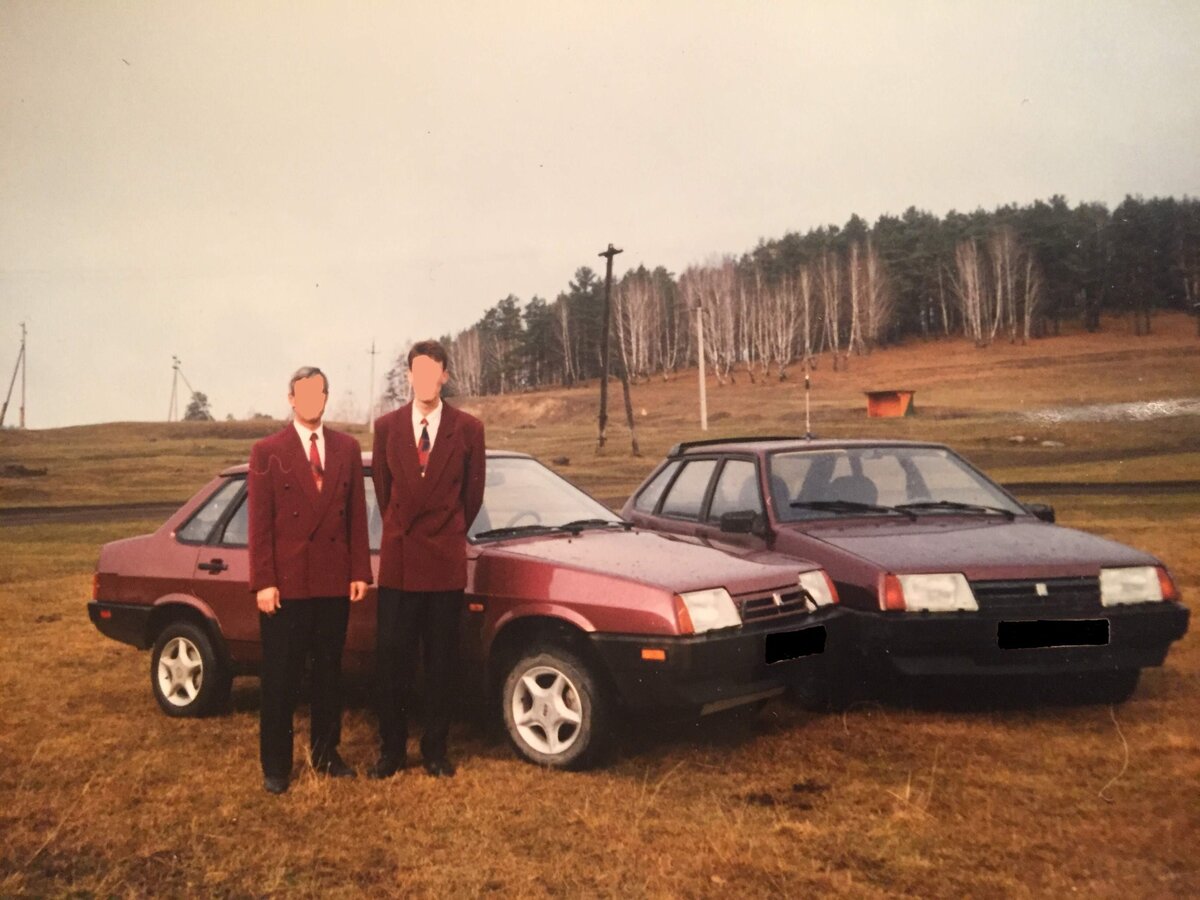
x=371, y=393
x=700, y=352
x=604, y=328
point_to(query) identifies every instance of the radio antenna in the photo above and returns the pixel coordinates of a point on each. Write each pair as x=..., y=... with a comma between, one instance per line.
x=808, y=435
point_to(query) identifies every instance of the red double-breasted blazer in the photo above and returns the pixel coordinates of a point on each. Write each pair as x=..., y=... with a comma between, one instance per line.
x=425, y=519
x=307, y=543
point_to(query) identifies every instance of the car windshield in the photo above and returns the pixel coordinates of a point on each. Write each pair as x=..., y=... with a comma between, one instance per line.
x=521, y=495
x=849, y=481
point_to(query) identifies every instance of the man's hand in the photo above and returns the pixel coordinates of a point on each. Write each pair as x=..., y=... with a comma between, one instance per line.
x=358, y=590
x=268, y=600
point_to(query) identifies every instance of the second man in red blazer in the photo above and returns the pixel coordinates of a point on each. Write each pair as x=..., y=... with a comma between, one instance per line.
x=428, y=466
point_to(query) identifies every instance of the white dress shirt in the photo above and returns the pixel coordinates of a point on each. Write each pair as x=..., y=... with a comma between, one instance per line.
x=434, y=419
x=305, y=438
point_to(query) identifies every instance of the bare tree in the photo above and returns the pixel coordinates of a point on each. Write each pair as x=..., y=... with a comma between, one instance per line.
x=968, y=286
x=467, y=361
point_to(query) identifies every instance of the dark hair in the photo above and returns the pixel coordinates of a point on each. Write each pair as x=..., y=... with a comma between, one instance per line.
x=307, y=372
x=433, y=349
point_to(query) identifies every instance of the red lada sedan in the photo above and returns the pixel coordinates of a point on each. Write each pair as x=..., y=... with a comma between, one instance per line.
x=573, y=616
x=943, y=572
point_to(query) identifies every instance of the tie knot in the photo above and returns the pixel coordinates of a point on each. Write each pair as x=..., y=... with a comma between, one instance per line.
x=313, y=437
x=424, y=421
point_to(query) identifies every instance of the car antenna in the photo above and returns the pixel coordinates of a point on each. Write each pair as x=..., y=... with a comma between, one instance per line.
x=808, y=435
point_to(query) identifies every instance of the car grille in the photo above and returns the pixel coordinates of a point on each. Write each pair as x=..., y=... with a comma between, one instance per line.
x=1062, y=595
x=760, y=606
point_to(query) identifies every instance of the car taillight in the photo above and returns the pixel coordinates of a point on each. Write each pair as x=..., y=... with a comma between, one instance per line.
x=683, y=618
x=1169, y=591
x=891, y=594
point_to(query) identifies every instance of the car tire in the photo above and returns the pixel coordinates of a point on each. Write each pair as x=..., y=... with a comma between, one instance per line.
x=187, y=676
x=556, y=712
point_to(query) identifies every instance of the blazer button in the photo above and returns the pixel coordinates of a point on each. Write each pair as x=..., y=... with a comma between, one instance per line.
x=295, y=513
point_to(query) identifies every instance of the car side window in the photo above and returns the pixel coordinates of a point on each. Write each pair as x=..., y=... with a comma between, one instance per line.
x=687, y=493
x=648, y=498
x=200, y=525
x=736, y=491
x=237, y=529
x=374, y=519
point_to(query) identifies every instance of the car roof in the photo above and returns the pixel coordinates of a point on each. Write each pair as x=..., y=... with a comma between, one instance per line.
x=774, y=443
x=242, y=468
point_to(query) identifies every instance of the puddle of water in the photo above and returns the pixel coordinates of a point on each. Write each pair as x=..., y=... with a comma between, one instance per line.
x=1117, y=412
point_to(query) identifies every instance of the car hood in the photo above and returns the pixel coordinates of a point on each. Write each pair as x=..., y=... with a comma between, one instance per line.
x=648, y=558
x=980, y=549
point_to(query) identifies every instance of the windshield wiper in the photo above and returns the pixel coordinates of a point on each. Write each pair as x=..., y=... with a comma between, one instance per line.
x=580, y=524
x=958, y=507
x=849, y=506
x=513, y=529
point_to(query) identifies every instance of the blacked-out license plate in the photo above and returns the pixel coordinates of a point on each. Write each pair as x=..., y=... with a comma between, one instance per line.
x=785, y=645
x=1052, y=633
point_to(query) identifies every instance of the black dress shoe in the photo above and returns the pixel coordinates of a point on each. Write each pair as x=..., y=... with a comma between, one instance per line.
x=335, y=767
x=386, y=766
x=440, y=767
x=275, y=784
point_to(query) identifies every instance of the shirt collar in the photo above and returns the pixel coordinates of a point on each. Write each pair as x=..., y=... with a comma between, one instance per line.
x=432, y=418
x=304, y=431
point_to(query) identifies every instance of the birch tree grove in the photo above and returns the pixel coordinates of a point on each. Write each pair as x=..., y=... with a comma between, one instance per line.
x=846, y=290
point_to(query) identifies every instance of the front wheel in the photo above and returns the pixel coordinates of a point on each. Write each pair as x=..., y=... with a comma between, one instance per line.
x=555, y=711
x=186, y=675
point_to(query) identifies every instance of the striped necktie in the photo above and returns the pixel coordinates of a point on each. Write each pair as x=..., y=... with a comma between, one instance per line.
x=423, y=447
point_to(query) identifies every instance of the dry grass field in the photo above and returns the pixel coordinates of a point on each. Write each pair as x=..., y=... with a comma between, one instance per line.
x=102, y=795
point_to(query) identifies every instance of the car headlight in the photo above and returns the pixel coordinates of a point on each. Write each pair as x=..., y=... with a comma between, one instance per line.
x=701, y=611
x=1131, y=584
x=941, y=592
x=818, y=586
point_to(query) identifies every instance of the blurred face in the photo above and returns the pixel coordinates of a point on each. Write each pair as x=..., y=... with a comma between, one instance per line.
x=427, y=377
x=308, y=399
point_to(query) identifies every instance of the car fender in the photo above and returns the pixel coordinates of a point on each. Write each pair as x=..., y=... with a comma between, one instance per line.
x=549, y=611
x=179, y=599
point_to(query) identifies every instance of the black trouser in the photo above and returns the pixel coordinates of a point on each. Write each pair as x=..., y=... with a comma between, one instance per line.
x=407, y=618
x=316, y=625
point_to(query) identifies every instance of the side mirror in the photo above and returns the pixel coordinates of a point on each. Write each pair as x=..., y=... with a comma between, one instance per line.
x=1043, y=511
x=744, y=521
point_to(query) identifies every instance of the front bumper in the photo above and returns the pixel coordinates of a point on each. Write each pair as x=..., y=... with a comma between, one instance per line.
x=124, y=622
x=708, y=673
x=974, y=642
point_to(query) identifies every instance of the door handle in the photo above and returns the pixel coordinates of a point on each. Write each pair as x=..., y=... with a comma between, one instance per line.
x=214, y=566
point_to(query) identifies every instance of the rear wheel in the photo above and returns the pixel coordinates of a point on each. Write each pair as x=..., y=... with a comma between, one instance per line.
x=187, y=676
x=555, y=709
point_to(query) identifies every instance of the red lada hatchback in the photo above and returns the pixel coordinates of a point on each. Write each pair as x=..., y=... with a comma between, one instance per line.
x=573, y=616
x=942, y=571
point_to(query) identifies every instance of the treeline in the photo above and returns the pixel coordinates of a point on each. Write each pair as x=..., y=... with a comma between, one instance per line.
x=1014, y=273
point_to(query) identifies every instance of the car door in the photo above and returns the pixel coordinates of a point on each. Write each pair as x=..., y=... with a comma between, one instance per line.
x=736, y=488
x=686, y=497
x=222, y=576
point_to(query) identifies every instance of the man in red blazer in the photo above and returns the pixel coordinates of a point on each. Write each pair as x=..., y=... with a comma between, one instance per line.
x=309, y=559
x=428, y=469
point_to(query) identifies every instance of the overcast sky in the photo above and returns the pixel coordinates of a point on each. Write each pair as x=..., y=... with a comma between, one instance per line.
x=256, y=186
